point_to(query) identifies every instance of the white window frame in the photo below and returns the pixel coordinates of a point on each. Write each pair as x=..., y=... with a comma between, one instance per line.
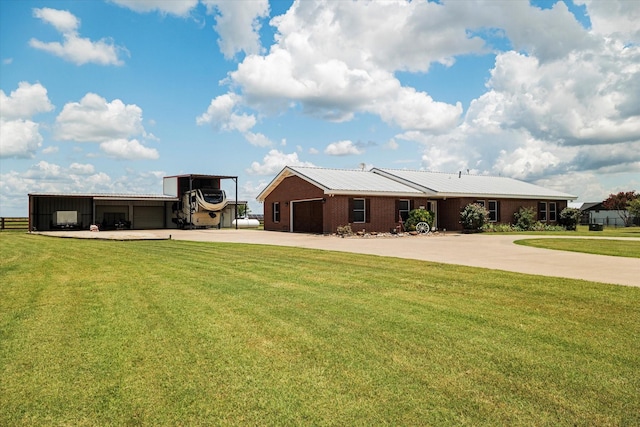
x=363, y=210
x=553, y=212
x=481, y=203
x=276, y=211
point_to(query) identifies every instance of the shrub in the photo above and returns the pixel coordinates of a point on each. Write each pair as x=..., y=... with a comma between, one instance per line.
x=474, y=217
x=525, y=219
x=419, y=215
x=569, y=218
x=344, y=230
x=498, y=227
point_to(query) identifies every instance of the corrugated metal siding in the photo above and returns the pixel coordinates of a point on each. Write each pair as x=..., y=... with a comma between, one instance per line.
x=148, y=217
x=44, y=207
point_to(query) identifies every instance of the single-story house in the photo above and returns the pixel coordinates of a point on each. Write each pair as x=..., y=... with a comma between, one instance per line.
x=319, y=200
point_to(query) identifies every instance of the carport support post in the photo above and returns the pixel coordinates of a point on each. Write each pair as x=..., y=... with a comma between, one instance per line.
x=236, y=208
x=189, y=200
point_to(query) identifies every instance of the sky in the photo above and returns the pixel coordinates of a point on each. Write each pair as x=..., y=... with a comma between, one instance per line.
x=109, y=97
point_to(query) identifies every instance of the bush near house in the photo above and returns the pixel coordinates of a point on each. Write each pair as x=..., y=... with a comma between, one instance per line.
x=419, y=215
x=473, y=217
x=569, y=218
x=525, y=219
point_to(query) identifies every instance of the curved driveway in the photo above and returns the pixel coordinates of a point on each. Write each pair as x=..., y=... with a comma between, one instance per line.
x=476, y=250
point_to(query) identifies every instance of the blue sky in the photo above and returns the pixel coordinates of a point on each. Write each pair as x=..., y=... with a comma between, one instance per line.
x=109, y=97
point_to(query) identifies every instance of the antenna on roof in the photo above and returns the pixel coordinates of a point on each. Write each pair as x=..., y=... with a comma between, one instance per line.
x=362, y=166
x=459, y=174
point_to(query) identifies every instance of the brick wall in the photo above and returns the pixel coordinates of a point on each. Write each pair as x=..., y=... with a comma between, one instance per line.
x=291, y=188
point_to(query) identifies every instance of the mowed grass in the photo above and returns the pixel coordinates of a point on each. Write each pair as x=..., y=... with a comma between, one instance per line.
x=185, y=333
x=623, y=248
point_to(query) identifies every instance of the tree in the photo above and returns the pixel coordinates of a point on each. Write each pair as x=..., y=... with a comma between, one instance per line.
x=620, y=203
x=634, y=208
x=474, y=217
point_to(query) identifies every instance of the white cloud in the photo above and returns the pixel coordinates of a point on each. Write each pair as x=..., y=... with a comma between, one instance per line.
x=275, y=161
x=52, y=149
x=336, y=59
x=238, y=25
x=82, y=169
x=258, y=139
x=21, y=136
x=128, y=149
x=173, y=7
x=74, y=48
x=392, y=144
x=93, y=119
x=618, y=18
x=25, y=102
x=222, y=114
x=342, y=148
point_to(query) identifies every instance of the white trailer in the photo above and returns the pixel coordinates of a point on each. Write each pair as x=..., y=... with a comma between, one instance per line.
x=200, y=208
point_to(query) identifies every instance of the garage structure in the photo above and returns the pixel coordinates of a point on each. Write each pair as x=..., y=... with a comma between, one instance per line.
x=123, y=211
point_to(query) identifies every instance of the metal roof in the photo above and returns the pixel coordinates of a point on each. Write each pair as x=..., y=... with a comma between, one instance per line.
x=461, y=185
x=109, y=196
x=343, y=182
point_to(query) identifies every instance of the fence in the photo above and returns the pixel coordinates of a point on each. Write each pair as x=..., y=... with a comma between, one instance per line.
x=14, y=223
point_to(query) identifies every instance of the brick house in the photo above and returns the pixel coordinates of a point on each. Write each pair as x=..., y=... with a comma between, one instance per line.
x=318, y=200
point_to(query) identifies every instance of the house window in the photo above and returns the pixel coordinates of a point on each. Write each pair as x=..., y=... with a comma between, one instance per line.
x=404, y=206
x=276, y=211
x=542, y=211
x=552, y=211
x=359, y=211
x=493, y=210
x=481, y=203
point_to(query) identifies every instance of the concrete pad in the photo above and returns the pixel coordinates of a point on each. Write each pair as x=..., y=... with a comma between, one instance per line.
x=475, y=250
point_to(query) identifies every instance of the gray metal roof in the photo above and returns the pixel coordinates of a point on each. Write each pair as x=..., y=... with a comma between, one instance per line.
x=460, y=185
x=408, y=183
x=343, y=182
x=109, y=196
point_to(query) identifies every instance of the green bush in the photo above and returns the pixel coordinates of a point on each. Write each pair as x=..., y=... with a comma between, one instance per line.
x=498, y=228
x=569, y=218
x=474, y=217
x=419, y=215
x=344, y=230
x=525, y=219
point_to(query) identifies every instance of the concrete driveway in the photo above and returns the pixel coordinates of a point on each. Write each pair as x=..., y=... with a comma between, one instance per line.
x=476, y=250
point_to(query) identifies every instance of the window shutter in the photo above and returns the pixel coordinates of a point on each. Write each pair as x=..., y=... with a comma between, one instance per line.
x=497, y=211
x=350, y=210
x=397, y=206
x=367, y=210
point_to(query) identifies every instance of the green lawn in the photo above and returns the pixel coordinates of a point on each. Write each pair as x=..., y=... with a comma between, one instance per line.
x=583, y=231
x=186, y=333
x=622, y=248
